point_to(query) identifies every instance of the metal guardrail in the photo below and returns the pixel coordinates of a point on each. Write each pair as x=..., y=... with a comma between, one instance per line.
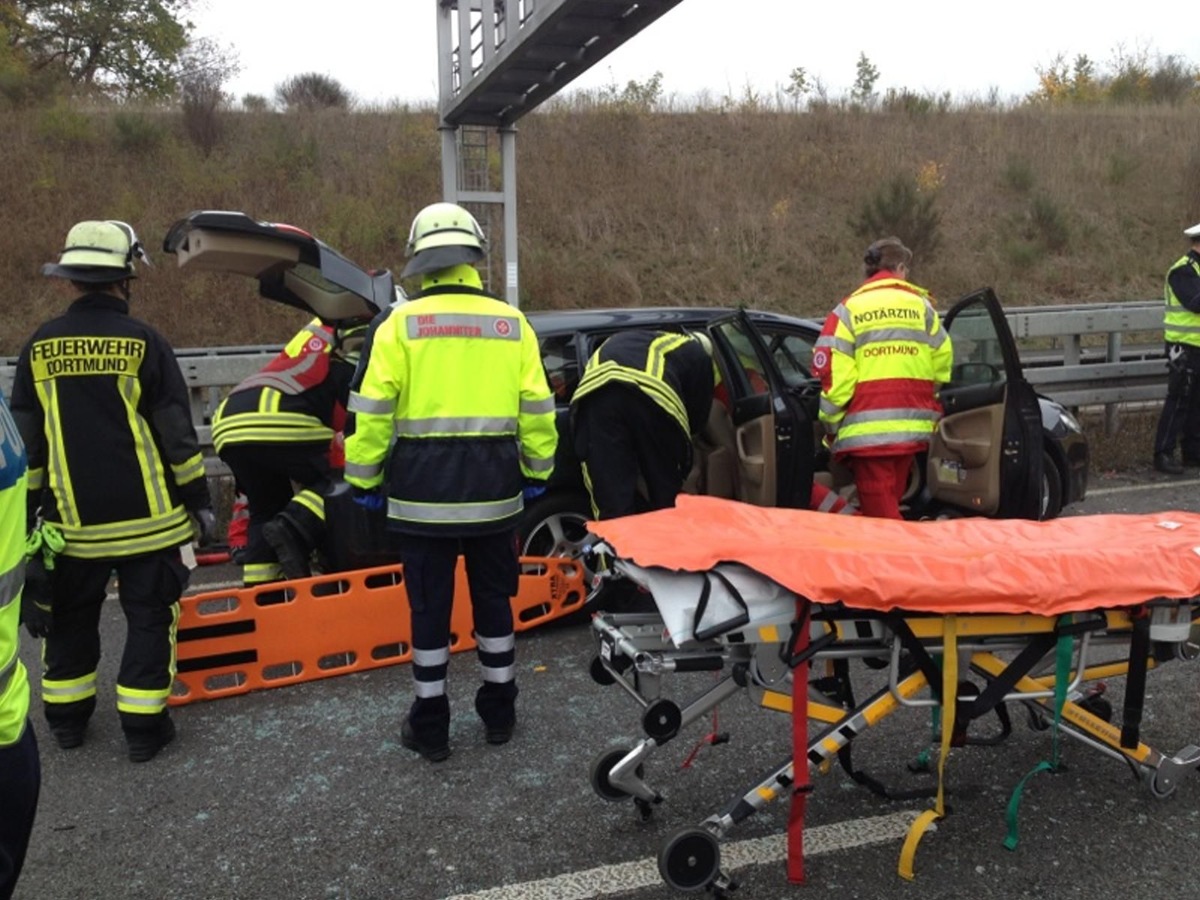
x=1083, y=355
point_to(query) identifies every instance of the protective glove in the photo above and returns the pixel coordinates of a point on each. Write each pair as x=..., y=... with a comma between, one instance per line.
x=36, y=612
x=533, y=490
x=371, y=500
x=206, y=526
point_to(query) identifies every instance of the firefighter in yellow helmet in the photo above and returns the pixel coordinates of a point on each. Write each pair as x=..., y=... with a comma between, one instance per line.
x=881, y=356
x=274, y=430
x=114, y=468
x=452, y=426
x=20, y=768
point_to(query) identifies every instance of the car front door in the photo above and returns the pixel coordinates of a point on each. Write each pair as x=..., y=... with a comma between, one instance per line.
x=986, y=454
x=773, y=433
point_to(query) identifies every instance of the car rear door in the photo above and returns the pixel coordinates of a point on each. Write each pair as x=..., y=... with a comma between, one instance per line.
x=773, y=433
x=986, y=454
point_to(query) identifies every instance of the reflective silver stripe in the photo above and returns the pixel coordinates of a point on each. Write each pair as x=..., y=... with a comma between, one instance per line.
x=79, y=687
x=498, y=675
x=457, y=425
x=363, y=470
x=6, y=672
x=828, y=502
x=829, y=408
x=360, y=404
x=841, y=345
x=848, y=510
x=285, y=380
x=427, y=689
x=150, y=703
x=887, y=415
x=891, y=335
x=464, y=325
x=438, y=657
x=844, y=316
x=496, y=644
x=534, y=407
x=456, y=512
x=537, y=465
x=881, y=438
x=11, y=583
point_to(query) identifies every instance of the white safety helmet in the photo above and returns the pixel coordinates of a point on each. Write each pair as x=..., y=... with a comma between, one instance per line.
x=704, y=341
x=443, y=235
x=97, y=252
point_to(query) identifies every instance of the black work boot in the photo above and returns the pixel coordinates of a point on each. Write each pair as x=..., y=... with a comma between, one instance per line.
x=144, y=743
x=1165, y=462
x=290, y=549
x=496, y=705
x=69, y=734
x=426, y=730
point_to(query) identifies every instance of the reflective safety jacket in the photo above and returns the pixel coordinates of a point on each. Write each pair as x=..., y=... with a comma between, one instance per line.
x=671, y=369
x=1181, y=318
x=453, y=383
x=103, y=409
x=880, y=357
x=14, y=679
x=299, y=397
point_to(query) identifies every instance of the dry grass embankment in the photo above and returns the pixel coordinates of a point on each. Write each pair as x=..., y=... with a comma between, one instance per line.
x=624, y=207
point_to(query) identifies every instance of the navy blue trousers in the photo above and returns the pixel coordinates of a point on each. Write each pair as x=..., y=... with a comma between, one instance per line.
x=20, y=783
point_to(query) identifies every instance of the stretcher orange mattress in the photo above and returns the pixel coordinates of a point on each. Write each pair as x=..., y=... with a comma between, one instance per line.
x=954, y=566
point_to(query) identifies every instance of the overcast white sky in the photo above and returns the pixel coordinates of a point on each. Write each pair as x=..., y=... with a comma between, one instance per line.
x=382, y=50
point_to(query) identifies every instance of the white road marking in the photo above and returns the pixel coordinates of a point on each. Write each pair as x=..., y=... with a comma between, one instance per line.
x=603, y=881
x=1131, y=488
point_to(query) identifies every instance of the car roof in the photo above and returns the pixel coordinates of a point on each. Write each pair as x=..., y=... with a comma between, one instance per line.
x=567, y=321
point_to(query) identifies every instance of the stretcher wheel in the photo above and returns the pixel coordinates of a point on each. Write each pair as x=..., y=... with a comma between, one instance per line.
x=602, y=767
x=661, y=720
x=690, y=860
x=1161, y=787
x=599, y=674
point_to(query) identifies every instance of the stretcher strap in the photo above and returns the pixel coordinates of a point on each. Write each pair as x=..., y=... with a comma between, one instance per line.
x=800, y=782
x=1135, y=681
x=1062, y=673
x=949, y=699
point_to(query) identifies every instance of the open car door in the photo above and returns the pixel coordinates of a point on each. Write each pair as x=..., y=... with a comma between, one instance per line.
x=986, y=454
x=291, y=265
x=773, y=434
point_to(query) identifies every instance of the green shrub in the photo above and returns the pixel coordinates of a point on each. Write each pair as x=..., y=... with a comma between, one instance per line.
x=900, y=208
x=1121, y=167
x=1049, y=224
x=1017, y=176
x=136, y=133
x=62, y=126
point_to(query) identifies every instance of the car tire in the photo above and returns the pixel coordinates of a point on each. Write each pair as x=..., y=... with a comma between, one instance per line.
x=1051, y=488
x=555, y=525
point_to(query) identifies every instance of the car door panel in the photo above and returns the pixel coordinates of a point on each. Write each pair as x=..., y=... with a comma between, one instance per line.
x=773, y=432
x=985, y=454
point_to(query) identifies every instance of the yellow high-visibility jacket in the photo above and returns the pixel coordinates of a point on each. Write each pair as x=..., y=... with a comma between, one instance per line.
x=1180, y=324
x=14, y=680
x=880, y=357
x=452, y=409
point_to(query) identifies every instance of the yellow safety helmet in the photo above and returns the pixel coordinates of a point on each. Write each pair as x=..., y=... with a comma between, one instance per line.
x=97, y=252
x=443, y=235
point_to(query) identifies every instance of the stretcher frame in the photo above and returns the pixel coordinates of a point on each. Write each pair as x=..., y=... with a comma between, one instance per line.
x=635, y=652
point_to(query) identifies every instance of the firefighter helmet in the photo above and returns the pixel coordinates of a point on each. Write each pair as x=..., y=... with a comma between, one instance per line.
x=97, y=253
x=704, y=341
x=443, y=235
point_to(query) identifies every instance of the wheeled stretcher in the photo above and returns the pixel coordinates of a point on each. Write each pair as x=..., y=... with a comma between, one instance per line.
x=970, y=636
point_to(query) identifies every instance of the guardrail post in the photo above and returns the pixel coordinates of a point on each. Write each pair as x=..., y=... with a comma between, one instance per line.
x=1112, y=411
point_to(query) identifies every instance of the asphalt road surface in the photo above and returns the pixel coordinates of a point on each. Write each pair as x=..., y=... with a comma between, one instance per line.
x=305, y=792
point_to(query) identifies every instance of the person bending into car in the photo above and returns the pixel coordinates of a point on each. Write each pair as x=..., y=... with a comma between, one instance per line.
x=643, y=396
x=881, y=355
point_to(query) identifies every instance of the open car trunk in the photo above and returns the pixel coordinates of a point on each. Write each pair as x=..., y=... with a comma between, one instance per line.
x=291, y=265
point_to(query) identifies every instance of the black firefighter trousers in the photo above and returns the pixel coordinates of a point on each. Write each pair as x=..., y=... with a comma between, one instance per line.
x=148, y=587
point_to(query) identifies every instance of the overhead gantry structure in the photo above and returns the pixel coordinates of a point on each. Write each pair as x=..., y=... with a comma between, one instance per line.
x=497, y=61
